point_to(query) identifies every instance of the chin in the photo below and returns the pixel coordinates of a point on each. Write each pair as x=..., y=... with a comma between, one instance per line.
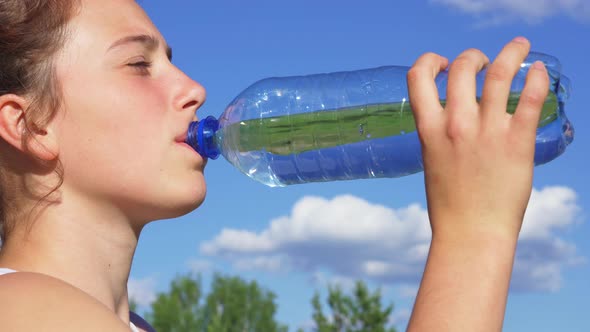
x=188, y=201
x=173, y=209
x=191, y=205
x=175, y=203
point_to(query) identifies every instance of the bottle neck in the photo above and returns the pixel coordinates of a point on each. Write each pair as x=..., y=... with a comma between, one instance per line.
x=201, y=137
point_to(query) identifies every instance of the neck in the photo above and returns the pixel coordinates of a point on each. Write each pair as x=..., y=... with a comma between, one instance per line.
x=81, y=244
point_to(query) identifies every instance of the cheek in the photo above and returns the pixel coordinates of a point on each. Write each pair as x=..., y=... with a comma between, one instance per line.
x=117, y=131
x=138, y=101
x=117, y=111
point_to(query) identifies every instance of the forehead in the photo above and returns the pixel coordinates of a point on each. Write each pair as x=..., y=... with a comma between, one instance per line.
x=100, y=22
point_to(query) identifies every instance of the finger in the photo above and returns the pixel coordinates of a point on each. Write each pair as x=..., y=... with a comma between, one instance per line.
x=422, y=90
x=532, y=99
x=500, y=73
x=461, y=87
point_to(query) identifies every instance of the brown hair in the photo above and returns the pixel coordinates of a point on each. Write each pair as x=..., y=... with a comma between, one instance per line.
x=31, y=33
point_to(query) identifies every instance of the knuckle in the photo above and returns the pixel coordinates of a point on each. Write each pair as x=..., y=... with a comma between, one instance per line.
x=499, y=73
x=427, y=132
x=415, y=74
x=427, y=62
x=532, y=98
x=455, y=132
x=469, y=59
x=540, y=77
x=474, y=53
x=461, y=63
x=429, y=57
x=453, y=104
x=458, y=130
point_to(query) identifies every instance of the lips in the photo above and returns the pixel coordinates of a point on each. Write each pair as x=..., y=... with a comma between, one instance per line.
x=181, y=138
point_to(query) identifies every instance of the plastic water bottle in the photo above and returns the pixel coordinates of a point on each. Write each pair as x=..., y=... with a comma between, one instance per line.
x=348, y=125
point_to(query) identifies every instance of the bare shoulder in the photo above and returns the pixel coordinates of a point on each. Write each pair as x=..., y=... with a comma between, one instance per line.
x=32, y=301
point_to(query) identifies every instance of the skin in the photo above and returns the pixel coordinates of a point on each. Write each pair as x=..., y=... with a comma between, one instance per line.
x=478, y=174
x=118, y=135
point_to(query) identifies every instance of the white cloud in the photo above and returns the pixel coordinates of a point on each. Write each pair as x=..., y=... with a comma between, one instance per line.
x=142, y=291
x=549, y=210
x=352, y=238
x=541, y=254
x=531, y=11
x=342, y=234
x=236, y=240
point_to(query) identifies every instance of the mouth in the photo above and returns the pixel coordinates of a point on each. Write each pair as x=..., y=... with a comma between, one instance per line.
x=194, y=154
x=181, y=138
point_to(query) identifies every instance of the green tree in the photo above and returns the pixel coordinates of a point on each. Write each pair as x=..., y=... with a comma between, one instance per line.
x=233, y=305
x=360, y=312
x=237, y=305
x=179, y=309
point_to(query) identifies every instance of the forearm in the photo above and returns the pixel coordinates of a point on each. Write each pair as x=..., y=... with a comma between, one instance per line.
x=465, y=283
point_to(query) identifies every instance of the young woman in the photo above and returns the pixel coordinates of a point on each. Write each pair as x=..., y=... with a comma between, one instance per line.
x=92, y=121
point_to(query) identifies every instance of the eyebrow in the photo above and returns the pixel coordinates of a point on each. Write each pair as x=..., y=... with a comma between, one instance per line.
x=150, y=42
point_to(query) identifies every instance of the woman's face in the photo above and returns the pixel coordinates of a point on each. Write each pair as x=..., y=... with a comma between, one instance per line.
x=126, y=110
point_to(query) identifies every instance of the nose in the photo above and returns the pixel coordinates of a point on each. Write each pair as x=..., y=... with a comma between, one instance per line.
x=191, y=95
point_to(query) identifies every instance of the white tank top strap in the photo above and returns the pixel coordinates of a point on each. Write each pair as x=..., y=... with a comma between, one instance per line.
x=6, y=271
x=133, y=328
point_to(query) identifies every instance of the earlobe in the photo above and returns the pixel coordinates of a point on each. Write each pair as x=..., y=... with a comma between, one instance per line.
x=43, y=144
x=13, y=127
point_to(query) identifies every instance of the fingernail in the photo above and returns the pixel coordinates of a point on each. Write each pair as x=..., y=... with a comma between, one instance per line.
x=521, y=40
x=538, y=65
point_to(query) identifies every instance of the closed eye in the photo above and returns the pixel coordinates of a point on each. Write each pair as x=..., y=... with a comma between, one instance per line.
x=141, y=66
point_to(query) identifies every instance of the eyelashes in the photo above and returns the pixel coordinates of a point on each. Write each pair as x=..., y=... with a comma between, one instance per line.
x=142, y=67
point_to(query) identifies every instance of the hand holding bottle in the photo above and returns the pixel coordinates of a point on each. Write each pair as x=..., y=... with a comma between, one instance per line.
x=478, y=159
x=478, y=163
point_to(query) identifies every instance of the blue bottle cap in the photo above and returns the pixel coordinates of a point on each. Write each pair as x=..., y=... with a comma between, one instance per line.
x=201, y=137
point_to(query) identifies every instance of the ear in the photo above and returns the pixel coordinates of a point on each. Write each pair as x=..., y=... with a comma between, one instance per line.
x=42, y=143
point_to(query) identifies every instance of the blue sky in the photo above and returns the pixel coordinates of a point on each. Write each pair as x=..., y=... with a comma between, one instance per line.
x=295, y=240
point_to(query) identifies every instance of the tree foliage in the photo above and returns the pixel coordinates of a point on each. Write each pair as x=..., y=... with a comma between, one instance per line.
x=360, y=312
x=233, y=305
x=241, y=306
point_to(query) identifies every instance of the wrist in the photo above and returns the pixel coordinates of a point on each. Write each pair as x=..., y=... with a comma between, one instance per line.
x=479, y=229
x=467, y=273
x=478, y=245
